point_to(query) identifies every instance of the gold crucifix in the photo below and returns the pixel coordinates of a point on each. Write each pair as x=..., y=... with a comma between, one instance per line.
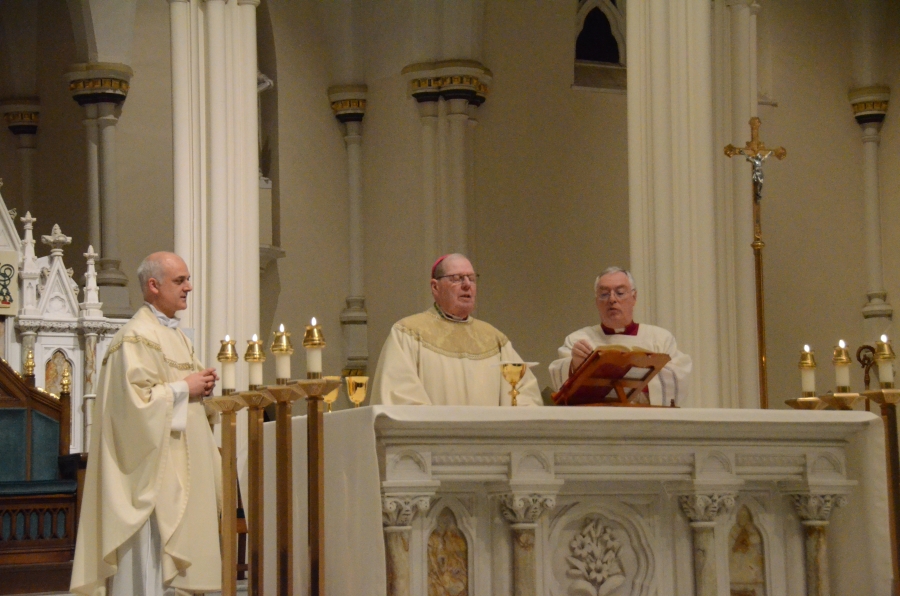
x=756, y=153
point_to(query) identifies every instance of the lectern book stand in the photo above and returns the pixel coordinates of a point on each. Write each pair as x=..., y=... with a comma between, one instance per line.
x=611, y=376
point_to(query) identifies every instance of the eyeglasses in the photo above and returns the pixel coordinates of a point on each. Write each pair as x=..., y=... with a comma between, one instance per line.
x=459, y=278
x=620, y=294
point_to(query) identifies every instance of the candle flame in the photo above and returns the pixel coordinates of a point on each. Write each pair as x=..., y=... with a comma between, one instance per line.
x=281, y=328
x=806, y=348
x=884, y=338
x=841, y=344
x=255, y=338
x=313, y=322
x=227, y=338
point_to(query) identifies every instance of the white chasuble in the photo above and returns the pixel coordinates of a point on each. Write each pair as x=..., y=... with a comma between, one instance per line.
x=672, y=382
x=428, y=359
x=138, y=466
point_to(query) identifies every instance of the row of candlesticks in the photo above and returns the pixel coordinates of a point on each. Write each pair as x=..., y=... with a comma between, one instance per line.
x=883, y=357
x=281, y=348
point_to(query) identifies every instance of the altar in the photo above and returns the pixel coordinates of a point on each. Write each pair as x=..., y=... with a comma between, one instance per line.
x=593, y=501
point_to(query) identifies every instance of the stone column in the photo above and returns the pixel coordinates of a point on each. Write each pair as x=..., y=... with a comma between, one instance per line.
x=22, y=117
x=702, y=510
x=92, y=148
x=106, y=87
x=814, y=512
x=349, y=106
x=446, y=155
x=523, y=513
x=744, y=105
x=398, y=512
x=671, y=191
x=869, y=108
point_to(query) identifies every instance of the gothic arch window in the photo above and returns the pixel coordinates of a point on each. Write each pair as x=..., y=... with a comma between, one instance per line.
x=600, y=45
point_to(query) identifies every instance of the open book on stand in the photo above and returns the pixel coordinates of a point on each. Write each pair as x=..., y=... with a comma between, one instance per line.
x=611, y=376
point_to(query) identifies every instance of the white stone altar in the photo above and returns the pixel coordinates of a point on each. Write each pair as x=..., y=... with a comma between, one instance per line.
x=594, y=501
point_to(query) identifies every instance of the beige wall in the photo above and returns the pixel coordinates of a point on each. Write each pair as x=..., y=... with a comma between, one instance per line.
x=813, y=203
x=551, y=204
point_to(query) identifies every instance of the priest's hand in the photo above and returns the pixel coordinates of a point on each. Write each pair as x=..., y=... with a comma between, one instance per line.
x=580, y=351
x=201, y=384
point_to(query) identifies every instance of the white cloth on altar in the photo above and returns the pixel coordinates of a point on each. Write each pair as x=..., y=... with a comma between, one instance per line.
x=672, y=382
x=354, y=539
x=430, y=360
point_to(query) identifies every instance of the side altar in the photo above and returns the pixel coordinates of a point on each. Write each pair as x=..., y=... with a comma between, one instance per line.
x=593, y=501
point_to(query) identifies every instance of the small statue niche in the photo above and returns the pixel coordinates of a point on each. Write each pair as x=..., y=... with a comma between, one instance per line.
x=448, y=558
x=746, y=558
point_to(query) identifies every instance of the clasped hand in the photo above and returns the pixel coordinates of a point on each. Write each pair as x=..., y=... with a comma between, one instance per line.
x=201, y=384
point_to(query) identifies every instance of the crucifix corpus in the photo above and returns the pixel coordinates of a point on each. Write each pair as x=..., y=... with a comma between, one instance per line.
x=756, y=153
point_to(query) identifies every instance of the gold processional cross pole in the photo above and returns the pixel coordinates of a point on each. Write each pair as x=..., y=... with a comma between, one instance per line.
x=756, y=153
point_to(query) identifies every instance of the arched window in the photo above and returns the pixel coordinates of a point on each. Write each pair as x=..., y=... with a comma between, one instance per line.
x=600, y=45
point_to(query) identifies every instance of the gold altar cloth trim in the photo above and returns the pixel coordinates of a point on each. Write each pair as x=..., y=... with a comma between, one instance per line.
x=471, y=339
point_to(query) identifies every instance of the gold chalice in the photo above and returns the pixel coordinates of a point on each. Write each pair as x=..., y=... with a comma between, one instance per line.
x=330, y=397
x=356, y=389
x=514, y=372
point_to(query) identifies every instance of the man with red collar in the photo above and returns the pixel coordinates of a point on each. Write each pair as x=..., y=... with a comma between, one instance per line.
x=444, y=356
x=616, y=295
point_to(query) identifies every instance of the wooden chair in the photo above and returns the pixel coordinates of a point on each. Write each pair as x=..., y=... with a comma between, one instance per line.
x=38, y=503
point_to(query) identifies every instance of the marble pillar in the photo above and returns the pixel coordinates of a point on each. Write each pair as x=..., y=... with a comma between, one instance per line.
x=22, y=118
x=671, y=192
x=870, y=106
x=91, y=324
x=104, y=86
x=814, y=511
x=523, y=512
x=398, y=512
x=348, y=103
x=702, y=511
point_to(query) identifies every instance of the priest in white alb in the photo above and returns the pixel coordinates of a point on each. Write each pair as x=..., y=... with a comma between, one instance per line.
x=152, y=494
x=616, y=295
x=444, y=356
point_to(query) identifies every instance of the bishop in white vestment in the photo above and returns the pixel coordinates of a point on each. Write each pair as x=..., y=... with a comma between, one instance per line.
x=616, y=297
x=444, y=356
x=149, y=516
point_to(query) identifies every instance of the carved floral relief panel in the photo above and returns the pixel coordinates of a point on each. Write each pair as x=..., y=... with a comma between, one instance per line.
x=597, y=552
x=448, y=558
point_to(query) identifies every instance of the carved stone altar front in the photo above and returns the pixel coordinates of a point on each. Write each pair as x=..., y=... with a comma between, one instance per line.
x=603, y=502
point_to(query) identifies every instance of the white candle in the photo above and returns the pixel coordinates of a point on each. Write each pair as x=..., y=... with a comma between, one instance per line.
x=885, y=366
x=282, y=360
x=256, y=369
x=228, y=377
x=807, y=376
x=842, y=368
x=313, y=356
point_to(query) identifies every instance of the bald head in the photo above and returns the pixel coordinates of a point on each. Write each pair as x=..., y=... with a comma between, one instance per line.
x=165, y=282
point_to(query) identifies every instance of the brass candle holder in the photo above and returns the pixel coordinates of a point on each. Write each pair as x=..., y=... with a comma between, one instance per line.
x=227, y=406
x=884, y=358
x=28, y=367
x=282, y=349
x=256, y=402
x=841, y=360
x=807, y=402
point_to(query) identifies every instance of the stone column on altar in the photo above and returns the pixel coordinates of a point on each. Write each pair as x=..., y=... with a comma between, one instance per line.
x=671, y=192
x=105, y=87
x=702, y=509
x=523, y=512
x=398, y=513
x=22, y=118
x=814, y=511
x=348, y=102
